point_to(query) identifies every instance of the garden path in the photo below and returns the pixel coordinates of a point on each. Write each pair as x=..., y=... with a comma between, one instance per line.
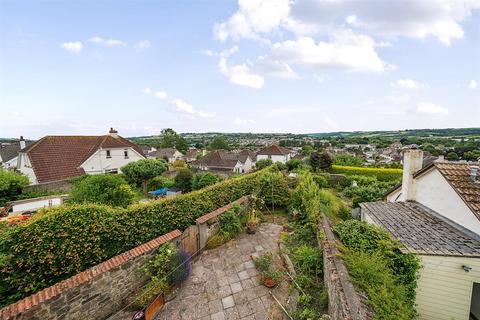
x=223, y=284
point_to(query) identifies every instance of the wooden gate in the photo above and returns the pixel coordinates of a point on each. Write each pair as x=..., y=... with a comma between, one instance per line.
x=190, y=240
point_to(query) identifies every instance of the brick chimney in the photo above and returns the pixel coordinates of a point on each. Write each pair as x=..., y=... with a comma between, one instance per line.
x=113, y=133
x=22, y=143
x=412, y=162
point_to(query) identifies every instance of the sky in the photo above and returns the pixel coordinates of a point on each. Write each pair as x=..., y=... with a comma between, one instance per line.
x=300, y=66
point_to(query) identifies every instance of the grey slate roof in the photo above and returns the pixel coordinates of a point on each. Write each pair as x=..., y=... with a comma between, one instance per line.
x=8, y=152
x=421, y=230
x=162, y=153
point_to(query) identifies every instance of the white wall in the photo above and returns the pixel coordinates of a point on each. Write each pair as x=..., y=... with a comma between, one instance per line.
x=37, y=204
x=10, y=164
x=99, y=163
x=444, y=289
x=24, y=166
x=432, y=190
x=247, y=166
x=274, y=158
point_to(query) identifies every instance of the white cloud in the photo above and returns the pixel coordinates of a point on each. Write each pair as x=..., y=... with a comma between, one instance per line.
x=178, y=105
x=275, y=68
x=240, y=74
x=144, y=44
x=424, y=108
x=253, y=17
x=407, y=84
x=347, y=51
x=74, y=47
x=107, y=42
x=473, y=84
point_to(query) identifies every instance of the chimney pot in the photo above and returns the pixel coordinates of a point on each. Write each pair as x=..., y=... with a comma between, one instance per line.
x=22, y=143
x=113, y=133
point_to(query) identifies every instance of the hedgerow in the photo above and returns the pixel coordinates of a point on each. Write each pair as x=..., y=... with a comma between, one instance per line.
x=69, y=239
x=401, y=268
x=380, y=173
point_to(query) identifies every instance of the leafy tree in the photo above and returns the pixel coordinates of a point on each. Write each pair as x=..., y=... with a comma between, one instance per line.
x=472, y=155
x=141, y=171
x=202, y=180
x=219, y=142
x=170, y=139
x=110, y=189
x=183, y=180
x=260, y=164
x=11, y=185
x=452, y=156
x=321, y=160
x=307, y=150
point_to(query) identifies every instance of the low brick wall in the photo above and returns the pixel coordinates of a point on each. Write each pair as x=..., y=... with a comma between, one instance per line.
x=344, y=302
x=95, y=293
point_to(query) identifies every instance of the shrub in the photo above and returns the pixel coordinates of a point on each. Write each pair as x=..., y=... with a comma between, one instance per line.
x=69, y=239
x=367, y=189
x=379, y=173
x=321, y=181
x=108, y=189
x=321, y=160
x=11, y=184
x=306, y=198
x=178, y=164
x=293, y=164
x=183, y=180
x=202, y=180
x=261, y=164
x=348, y=160
x=160, y=182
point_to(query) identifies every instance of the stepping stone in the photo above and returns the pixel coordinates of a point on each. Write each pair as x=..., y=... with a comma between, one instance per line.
x=228, y=302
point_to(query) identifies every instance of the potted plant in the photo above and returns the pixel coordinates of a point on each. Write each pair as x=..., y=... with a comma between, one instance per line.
x=252, y=222
x=268, y=275
x=270, y=278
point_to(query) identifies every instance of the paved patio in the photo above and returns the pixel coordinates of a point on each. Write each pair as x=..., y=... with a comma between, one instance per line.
x=224, y=284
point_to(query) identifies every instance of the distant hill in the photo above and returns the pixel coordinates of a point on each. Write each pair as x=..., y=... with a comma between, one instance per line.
x=449, y=132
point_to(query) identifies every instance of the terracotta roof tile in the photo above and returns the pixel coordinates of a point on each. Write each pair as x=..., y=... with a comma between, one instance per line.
x=274, y=150
x=422, y=230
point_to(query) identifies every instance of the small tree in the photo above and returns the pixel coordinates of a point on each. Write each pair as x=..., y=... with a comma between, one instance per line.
x=183, y=180
x=260, y=164
x=293, y=164
x=452, y=156
x=219, y=142
x=11, y=185
x=110, y=189
x=322, y=161
x=141, y=171
x=202, y=180
x=273, y=188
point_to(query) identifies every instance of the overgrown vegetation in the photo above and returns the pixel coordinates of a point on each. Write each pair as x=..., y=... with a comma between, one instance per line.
x=229, y=227
x=11, y=184
x=69, y=239
x=365, y=188
x=380, y=269
x=273, y=189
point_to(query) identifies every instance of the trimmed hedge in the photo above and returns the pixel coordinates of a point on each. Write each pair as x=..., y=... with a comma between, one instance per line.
x=69, y=239
x=380, y=173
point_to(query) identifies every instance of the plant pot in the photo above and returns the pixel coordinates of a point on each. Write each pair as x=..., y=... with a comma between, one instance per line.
x=269, y=282
x=251, y=228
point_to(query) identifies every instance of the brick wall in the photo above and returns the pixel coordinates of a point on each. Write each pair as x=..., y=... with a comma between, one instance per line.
x=94, y=293
x=344, y=302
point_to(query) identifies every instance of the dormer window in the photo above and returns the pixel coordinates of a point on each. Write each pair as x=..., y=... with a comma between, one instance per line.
x=108, y=154
x=125, y=154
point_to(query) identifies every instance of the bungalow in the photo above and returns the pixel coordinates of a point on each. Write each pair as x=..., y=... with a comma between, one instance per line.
x=435, y=213
x=191, y=155
x=226, y=162
x=170, y=155
x=274, y=153
x=55, y=158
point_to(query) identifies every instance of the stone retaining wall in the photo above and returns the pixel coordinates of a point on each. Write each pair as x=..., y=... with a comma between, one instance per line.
x=95, y=293
x=344, y=302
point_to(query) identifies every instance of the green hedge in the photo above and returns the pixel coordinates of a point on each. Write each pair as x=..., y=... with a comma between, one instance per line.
x=380, y=173
x=69, y=239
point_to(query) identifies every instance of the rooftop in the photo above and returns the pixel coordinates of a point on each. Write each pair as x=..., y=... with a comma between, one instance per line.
x=274, y=150
x=421, y=230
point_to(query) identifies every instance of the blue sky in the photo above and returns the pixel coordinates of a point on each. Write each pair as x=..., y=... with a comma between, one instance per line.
x=80, y=67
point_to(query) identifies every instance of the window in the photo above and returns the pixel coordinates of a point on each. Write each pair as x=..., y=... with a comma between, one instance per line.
x=125, y=153
x=475, y=302
x=113, y=171
x=108, y=154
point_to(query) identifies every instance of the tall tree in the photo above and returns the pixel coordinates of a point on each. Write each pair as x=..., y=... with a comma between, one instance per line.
x=141, y=171
x=219, y=142
x=321, y=160
x=170, y=139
